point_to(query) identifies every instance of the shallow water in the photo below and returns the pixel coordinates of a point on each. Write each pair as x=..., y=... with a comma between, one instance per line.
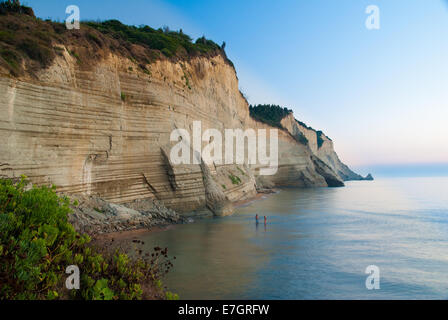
x=317, y=244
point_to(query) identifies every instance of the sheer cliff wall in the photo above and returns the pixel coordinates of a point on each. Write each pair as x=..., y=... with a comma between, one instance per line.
x=102, y=130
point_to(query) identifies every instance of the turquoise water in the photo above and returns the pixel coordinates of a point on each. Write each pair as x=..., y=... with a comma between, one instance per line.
x=317, y=244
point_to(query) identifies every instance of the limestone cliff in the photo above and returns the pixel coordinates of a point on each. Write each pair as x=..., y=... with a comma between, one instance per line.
x=103, y=129
x=321, y=146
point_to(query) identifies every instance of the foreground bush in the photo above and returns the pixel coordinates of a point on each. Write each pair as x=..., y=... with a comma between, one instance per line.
x=37, y=244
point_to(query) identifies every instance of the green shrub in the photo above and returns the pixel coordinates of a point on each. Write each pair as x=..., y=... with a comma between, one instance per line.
x=11, y=57
x=37, y=243
x=36, y=51
x=98, y=210
x=14, y=6
x=273, y=115
x=7, y=36
x=303, y=124
x=234, y=179
x=123, y=96
x=76, y=55
x=167, y=52
x=94, y=39
x=185, y=77
x=242, y=172
x=32, y=37
x=170, y=43
x=320, y=141
x=171, y=296
x=269, y=114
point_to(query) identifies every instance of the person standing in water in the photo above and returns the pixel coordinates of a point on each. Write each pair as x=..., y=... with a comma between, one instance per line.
x=256, y=218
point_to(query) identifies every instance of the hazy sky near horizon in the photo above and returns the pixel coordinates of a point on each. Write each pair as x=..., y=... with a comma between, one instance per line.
x=381, y=95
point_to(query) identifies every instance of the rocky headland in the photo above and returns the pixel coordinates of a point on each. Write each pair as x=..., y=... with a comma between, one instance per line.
x=92, y=113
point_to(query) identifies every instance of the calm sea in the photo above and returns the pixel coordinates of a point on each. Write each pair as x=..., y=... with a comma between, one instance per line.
x=317, y=244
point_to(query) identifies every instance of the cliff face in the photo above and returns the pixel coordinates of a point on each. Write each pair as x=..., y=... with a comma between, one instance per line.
x=323, y=149
x=105, y=131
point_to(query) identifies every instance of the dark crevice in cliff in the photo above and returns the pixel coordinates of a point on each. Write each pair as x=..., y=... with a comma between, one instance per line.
x=325, y=171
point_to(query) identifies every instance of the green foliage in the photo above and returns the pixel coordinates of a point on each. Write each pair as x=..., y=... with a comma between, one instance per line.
x=269, y=114
x=185, y=76
x=76, y=55
x=22, y=39
x=171, y=296
x=234, y=179
x=303, y=124
x=273, y=115
x=241, y=170
x=319, y=134
x=123, y=96
x=204, y=45
x=320, y=140
x=98, y=210
x=170, y=43
x=7, y=36
x=37, y=51
x=92, y=37
x=37, y=41
x=224, y=186
x=101, y=291
x=37, y=243
x=14, y=6
x=144, y=69
x=12, y=58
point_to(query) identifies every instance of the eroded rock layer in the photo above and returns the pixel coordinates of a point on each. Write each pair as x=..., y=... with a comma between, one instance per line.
x=105, y=131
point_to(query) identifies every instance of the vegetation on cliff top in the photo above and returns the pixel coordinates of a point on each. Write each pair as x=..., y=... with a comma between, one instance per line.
x=14, y=6
x=269, y=114
x=273, y=115
x=320, y=139
x=30, y=43
x=37, y=244
x=170, y=43
x=303, y=124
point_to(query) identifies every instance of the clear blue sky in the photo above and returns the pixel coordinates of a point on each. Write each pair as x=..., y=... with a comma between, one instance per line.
x=381, y=95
